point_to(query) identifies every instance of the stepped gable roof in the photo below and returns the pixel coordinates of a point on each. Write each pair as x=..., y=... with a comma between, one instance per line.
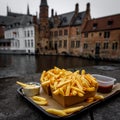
x=103, y=23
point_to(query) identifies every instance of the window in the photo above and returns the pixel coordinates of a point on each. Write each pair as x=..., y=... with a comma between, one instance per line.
x=77, y=31
x=18, y=43
x=50, y=44
x=110, y=22
x=106, y=34
x=98, y=44
x=15, y=43
x=28, y=33
x=115, y=46
x=60, y=32
x=56, y=33
x=105, y=45
x=65, y=43
x=92, y=34
x=28, y=43
x=31, y=43
x=100, y=34
x=72, y=44
x=60, y=43
x=12, y=43
x=95, y=25
x=65, y=32
x=18, y=34
x=85, y=34
x=31, y=33
x=25, y=43
x=77, y=44
x=25, y=33
x=51, y=34
x=85, y=45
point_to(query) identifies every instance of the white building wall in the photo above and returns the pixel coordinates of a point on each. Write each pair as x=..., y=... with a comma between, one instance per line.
x=22, y=39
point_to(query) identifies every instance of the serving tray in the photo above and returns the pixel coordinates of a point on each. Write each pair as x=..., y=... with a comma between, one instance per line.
x=53, y=104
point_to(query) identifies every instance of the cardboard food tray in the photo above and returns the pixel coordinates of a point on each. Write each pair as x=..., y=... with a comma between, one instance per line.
x=53, y=104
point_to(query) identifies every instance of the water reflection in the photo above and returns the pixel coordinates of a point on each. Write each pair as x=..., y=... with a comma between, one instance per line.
x=25, y=64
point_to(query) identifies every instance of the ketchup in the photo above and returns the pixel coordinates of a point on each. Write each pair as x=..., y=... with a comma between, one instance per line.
x=105, y=89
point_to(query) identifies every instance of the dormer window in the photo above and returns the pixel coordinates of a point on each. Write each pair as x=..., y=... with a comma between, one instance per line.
x=29, y=23
x=110, y=22
x=95, y=25
x=65, y=19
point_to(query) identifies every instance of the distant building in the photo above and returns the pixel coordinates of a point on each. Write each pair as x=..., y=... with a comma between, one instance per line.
x=19, y=33
x=61, y=34
x=4, y=44
x=74, y=33
x=101, y=37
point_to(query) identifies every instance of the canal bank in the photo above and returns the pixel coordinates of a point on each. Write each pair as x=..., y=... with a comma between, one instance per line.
x=13, y=107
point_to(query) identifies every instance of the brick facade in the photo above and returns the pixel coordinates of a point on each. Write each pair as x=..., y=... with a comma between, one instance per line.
x=101, y=38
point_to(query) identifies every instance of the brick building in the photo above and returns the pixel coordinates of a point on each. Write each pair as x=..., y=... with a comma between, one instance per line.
x=76, y=33
x=61, y=34
x=18, y=33
x=101, y=37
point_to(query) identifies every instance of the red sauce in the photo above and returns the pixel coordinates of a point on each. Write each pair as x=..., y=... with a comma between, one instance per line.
x=105, y=89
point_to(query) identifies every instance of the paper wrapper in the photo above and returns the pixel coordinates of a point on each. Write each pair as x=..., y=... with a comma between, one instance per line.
x=47, y=90
x=53, y=104
x=67, y=101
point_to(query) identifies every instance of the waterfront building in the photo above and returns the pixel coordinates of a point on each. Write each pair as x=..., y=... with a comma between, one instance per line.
x=61, y=34
x=74, y=33
x=101, y=37
x=4, y=44
x=77, y=34
x=19, y=33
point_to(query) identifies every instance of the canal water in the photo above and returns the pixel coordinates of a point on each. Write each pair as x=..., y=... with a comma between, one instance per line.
x=17, y=65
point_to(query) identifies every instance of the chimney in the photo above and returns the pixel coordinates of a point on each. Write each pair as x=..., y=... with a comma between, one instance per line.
x=88, y=7
x=35, y=19
x=76, y=8
x=52, y=13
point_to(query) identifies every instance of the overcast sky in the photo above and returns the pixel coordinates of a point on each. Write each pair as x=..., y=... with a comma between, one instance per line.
x=99, y=8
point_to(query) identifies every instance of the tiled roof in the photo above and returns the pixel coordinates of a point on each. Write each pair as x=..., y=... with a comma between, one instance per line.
x=20, y=21
x=103, y=23
x=65, y=19
x=79, y=19
x=4, y=20
x=12, y=14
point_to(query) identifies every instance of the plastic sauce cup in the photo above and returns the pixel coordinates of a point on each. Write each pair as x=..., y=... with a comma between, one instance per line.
x=105, y=83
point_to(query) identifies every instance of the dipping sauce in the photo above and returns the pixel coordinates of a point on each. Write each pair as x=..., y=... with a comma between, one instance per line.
x=105, y=89
x=105, y=83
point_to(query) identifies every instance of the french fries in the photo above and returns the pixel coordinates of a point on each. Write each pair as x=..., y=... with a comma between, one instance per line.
x=57, y=112
x=68, y=83
x=64, y=112
x=39, y=100
x=94, y=98
x=72, y=110
x=22, y=84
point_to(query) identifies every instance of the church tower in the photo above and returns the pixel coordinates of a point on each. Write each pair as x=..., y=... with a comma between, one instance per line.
x=43, y=18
